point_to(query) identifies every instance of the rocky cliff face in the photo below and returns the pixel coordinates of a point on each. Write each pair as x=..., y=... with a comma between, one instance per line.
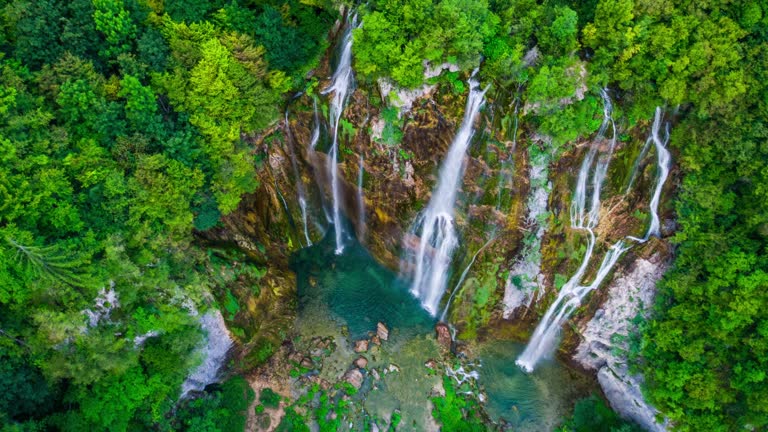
x=605, y=339
x=512, y=215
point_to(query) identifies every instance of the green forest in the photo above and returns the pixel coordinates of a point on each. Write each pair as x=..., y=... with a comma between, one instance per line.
x=124, y=133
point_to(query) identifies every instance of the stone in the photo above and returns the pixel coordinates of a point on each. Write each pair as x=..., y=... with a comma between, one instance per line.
x=354, y=377
x=375, y=374
x=443, y=334
x=393, y=368
x=361, y=346
x=629, y=294
x=382, y=331
x=295, y=357
x=376, y=340
x=361, y=362
x=431, y=364
x=307, y=363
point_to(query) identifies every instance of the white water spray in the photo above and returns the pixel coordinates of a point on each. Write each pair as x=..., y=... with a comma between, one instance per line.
x=302, y=196
x=341, y=83
x=360, y=199
x=463, y=276
x=543, y=342
x=435, y=225
x=663, y=160
x=583, y=218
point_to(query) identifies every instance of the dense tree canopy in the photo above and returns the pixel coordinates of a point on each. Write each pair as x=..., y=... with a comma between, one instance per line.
x=120, y=130
x=120, y=133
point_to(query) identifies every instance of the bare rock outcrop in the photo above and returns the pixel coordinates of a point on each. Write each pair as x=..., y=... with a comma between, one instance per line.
x=604, y=344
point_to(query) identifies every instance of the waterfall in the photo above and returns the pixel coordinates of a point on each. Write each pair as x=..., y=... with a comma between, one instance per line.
x=360, y=200
x=302, y=196
x=507, y=170
x=341, y=82
x=544, y=339
x=663, y=160
x=525, y=275
x=583, y=218
x=316, y=129
x=463, y=276
x=214, y=353
x=435, y=225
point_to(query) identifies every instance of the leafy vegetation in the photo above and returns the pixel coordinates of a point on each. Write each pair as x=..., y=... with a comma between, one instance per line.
x=456, y=412
x=593, y=415
x=121, y=127
x=120, y=132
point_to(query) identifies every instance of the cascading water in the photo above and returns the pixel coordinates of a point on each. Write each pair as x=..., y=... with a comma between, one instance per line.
x=341, y=82
x=463, y=276
x=435, y=225
x=525, y=275
x=663, y=160
x=584, y=219
x=316, y=129
x=360, y=200
x=302, y=196
x=214, y=353
x=544, y=338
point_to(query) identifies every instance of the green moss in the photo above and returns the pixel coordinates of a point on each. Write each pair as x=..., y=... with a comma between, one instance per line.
x=455, y=412
x=269, y=398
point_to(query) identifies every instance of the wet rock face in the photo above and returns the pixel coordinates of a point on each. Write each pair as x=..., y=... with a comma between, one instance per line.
x=605, y=340
x=443, y=334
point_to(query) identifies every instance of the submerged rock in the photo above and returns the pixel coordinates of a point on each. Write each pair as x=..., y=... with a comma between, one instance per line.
x=361, y=362
x=605, y=341
x=361, y=346
x=382, y=331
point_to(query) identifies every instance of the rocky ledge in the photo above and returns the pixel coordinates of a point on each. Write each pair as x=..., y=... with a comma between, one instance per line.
x=604, y=348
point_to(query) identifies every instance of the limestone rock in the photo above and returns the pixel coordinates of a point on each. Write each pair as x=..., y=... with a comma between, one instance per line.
x=604, y=344
x=361, y=362
x=443, y=334
x=382, y=331
x=361, y=346
x=354, y=377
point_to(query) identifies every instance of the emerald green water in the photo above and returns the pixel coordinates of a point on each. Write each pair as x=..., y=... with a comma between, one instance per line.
x=358, y=291
x=344, y=297
x=527, y=402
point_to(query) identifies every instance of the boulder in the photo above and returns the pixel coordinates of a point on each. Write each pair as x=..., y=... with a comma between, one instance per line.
x=382, y=331
x=361, y=362
x=443, y=334
x=354, y=377
x=361, y=346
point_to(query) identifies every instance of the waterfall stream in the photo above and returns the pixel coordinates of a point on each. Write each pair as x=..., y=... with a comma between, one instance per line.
x=583, y=218
x=435, y=226
x=663, y=161
x=544, y=339
x=360, y=200
x=302, y=195
x=341, y=84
